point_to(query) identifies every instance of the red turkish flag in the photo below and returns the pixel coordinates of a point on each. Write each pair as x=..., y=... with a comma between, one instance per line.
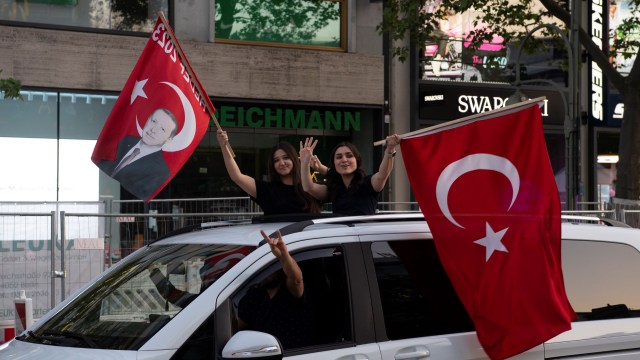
x=488, y=194
x=157, y=121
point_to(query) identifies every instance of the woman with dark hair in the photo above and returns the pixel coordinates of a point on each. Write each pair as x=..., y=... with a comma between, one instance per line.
x=347, y=186
x=283, y=193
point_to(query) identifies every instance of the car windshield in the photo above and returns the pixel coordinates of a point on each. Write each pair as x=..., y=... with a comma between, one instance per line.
x=124, y=309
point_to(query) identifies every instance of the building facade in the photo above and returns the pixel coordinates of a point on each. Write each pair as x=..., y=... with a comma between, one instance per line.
x=73, y=58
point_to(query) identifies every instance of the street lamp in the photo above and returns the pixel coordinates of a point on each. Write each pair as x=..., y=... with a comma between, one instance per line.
x=571, y=109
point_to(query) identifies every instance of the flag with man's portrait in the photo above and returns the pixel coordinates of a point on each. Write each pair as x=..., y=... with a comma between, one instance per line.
x=158, y=120
x=489, y=196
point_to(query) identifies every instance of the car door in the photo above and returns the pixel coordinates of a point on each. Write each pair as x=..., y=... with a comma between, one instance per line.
x=417, y=312
x=333, y=272
x=601, y=279
x=356, y=298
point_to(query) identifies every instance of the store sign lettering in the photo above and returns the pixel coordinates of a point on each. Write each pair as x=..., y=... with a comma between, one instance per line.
x=32, y=245
x=478, y=104
x=428, y=98
x=597, y=95
x=277, y=118
x=618, y=111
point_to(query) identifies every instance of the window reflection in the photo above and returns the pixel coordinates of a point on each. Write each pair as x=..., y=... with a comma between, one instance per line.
x=597, y=287
x=296, y=22
x=122, y=15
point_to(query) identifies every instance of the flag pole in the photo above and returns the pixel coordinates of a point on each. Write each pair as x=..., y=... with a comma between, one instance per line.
x=506, y=109
x=195, y=80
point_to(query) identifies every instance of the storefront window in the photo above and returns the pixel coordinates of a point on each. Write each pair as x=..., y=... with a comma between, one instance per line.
x=50, y=136
x=82, y=117
x=121, y=15
x=449, y=55
x=28, y=143
x=295, y=23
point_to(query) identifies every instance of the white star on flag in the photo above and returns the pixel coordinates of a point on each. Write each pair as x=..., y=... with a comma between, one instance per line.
x=492, y=241
x=138, y=90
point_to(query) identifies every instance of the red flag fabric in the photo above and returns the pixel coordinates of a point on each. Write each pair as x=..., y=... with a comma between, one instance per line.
x=157, y=121
x=488, y=194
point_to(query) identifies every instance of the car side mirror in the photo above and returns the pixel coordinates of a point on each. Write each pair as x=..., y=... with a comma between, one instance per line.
x=252, y=345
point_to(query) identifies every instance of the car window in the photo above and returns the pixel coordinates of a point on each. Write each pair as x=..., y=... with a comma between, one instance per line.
x=125, y=309
x=601, y=279
x=321, y=317
x=416, y=294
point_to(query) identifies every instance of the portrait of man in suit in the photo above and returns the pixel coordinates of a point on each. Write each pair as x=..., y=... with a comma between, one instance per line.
x=139, y=165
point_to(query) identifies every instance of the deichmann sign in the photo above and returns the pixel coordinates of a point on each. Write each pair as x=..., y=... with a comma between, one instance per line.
x=447, y=102
x=270, y=117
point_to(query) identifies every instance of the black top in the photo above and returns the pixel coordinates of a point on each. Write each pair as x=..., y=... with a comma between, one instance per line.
x=278, y=198
x=364, y=201
x=285, y=317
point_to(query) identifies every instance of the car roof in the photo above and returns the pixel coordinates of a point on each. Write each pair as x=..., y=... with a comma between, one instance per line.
x=247, y=233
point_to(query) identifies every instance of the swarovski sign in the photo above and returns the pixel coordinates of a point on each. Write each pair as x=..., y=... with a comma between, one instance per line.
x=449, y=102
x=479, y=104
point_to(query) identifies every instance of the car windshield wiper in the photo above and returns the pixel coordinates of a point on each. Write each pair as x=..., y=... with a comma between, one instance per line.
x=39, y=338
x=57, y=335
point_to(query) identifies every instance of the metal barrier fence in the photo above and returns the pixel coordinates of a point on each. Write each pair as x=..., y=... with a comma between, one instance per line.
x=140, y=222
x=630, y=216
x=397, y=206
x=629, y=211
x=27, y=262
x=606, y=214
x=592, y=205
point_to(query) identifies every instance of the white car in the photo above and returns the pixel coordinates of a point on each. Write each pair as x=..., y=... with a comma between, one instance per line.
x=361, y=300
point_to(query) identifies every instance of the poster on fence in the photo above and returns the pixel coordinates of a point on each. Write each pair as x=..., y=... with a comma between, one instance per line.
x=26, y=265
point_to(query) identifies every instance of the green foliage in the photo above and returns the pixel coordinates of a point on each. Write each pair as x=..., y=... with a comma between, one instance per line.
x=10, y=87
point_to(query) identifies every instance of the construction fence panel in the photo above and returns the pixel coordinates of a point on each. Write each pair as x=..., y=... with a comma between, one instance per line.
x=82, y=250
x=137, y=223
x=26, y=261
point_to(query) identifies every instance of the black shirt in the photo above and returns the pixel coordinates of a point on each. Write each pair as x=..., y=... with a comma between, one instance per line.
x=363, y=201
x=285, y=317
x=278, y=198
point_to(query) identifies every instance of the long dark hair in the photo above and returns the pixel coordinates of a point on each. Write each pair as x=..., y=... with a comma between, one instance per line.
x=311, y=204
x=334, y=180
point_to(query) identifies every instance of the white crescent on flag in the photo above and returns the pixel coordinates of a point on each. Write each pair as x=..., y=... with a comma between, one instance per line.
x=470, y=163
